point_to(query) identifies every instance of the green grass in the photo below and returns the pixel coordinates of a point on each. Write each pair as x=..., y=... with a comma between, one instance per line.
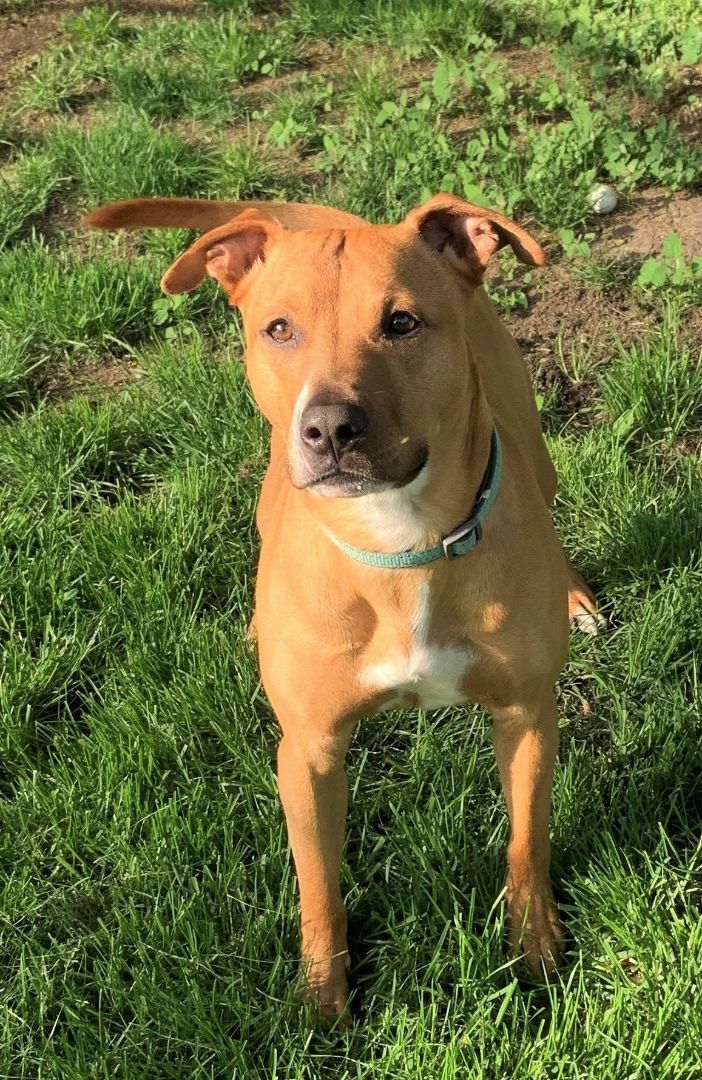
x=148, y=919
x=125, y=154
x=62, y=303
x=165, y=67
x=26, y=186
x=653, y=390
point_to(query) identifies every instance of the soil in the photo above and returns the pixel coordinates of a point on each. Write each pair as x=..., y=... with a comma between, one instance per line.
x=684, y=104
x=94, y=379
x=562, y=308
x=563, y=313
x=530, y=63
x=641, y=225
x=27, y=31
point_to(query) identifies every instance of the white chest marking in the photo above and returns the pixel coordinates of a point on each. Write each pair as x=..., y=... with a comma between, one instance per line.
x=395, y=516
x=432, y=673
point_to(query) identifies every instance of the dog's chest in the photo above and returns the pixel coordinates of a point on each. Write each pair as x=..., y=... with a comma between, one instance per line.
x=418, y=671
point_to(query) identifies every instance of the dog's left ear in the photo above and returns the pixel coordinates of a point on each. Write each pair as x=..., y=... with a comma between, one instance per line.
x=469, y=235
x=227, y=254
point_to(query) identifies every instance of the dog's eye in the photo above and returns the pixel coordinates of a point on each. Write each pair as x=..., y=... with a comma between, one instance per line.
x=280, y=330
x=401, y=324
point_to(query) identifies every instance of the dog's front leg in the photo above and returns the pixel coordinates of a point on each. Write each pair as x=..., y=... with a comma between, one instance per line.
x=526, y=743
x=313, y=790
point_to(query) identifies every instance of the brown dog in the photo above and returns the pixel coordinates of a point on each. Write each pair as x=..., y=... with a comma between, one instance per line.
x=400, y=409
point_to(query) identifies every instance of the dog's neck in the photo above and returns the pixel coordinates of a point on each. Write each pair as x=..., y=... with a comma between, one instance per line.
x=417, y=515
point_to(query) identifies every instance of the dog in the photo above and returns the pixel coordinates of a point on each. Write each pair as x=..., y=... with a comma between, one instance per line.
x=408, y=556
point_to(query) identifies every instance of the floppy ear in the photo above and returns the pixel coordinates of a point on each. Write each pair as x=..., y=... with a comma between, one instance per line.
x=226, y=254
x=468, y=235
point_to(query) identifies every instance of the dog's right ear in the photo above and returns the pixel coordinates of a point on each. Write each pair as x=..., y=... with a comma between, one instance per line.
x=468, y=235
x=227, y=254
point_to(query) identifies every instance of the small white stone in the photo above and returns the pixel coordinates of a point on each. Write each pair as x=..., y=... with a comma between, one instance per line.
x=603, y=199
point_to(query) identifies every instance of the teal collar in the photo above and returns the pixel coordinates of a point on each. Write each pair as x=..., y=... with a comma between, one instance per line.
x=462, y=540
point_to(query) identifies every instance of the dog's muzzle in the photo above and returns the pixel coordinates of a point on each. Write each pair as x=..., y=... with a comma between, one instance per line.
x=337, y=453
x=328, y=432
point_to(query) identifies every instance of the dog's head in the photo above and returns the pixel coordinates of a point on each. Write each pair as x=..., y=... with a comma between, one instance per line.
x=356, y=333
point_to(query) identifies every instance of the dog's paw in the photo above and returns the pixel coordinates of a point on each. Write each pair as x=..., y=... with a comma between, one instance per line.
x=583, y=613
x=582, y=605
x=535, y=929
x=325, y=986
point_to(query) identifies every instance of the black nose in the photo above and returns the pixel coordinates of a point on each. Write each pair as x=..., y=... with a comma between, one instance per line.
x=333, y=429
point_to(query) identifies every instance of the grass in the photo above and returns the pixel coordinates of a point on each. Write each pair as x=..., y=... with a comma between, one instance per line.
x=123, y=154
x=653, y=391
x=148, y=920
x=28, y=185
x=38, y=279
x=165, y=67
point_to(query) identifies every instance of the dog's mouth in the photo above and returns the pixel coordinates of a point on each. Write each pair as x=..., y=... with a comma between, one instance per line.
x=351, y=483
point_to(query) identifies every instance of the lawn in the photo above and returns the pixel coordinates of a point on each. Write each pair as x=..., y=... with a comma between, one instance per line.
x=148, y=909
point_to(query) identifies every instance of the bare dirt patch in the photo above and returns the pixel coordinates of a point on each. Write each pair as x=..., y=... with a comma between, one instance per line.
x=564, y=309
x=27, y=33
x=566, y=313
x=684, y=103
x=640, y=226
x=154, y=7
x=94, y=379
x=59, y=217
x=530, y=63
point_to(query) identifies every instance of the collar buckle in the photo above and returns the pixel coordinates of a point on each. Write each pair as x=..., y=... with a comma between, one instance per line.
x=469, y=530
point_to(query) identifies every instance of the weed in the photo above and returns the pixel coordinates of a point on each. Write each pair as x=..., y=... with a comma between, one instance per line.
x=60, y=304
x=576, y=361
x=15, y=368
x=96, y=25
x=57, y=83
x=247, y=168
x=598, y=273
x=294, y=116
x=673, y=273
x=191, y=66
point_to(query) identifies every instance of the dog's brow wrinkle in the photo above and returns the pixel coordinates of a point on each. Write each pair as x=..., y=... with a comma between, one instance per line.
x=336, y=237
